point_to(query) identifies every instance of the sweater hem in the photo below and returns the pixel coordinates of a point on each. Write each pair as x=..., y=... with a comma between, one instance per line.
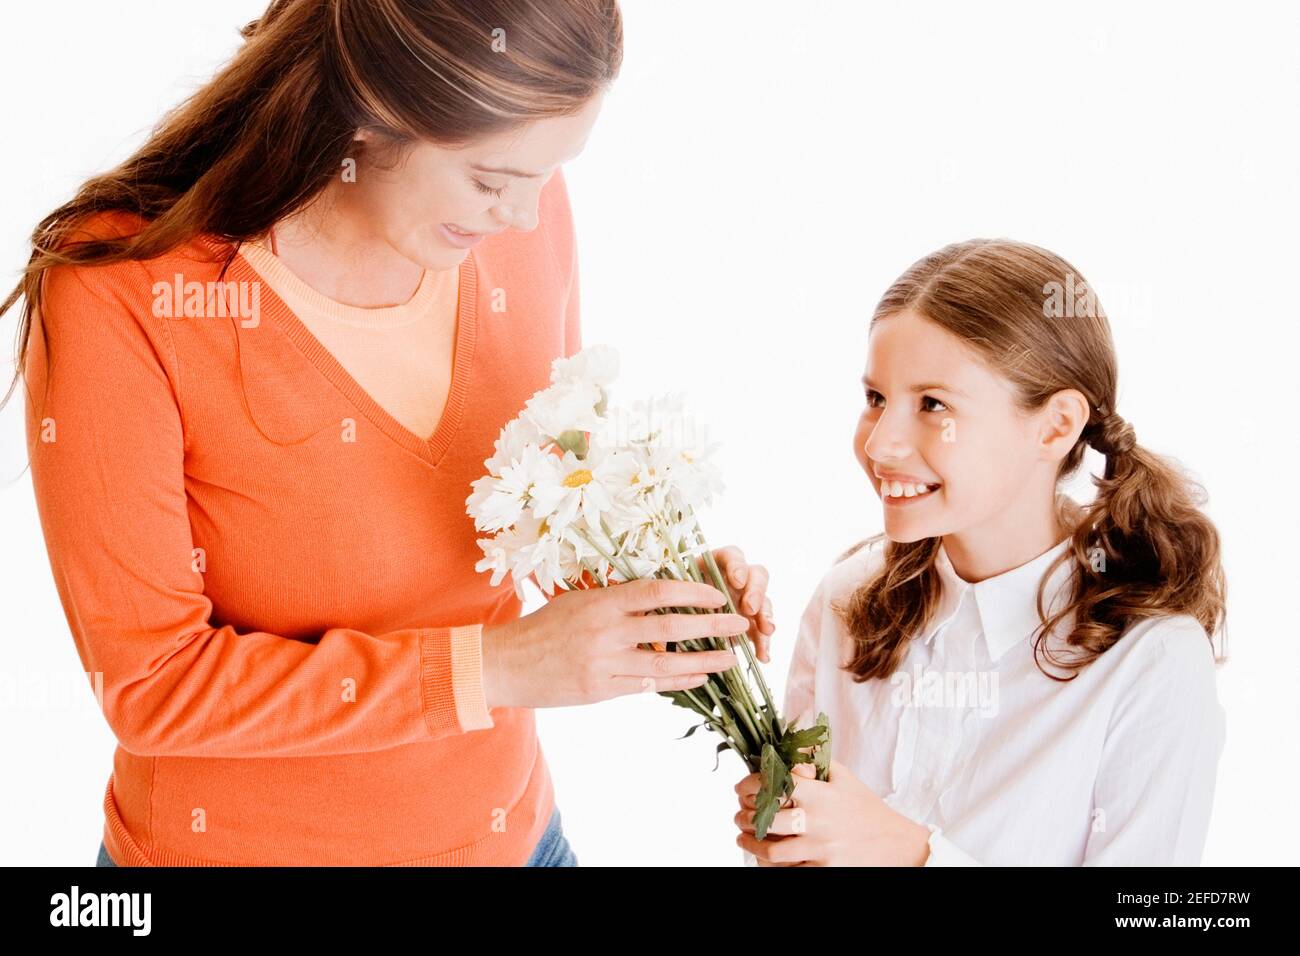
x=486, y=851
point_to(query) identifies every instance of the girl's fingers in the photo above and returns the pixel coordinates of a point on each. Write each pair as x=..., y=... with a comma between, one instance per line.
x=749, y=799
x=784, y=822
x=787, y=851
x=749, y=784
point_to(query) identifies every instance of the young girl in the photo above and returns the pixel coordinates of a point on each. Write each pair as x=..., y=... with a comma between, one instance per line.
x=1010, y=677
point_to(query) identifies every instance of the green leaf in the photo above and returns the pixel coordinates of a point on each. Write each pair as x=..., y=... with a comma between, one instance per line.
x=823, y=760
x=721, y=747
x=776, y=785
x=808, y=737
x=574, y=441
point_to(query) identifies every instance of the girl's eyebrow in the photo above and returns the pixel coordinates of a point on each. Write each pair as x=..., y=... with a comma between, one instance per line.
x=925, y=387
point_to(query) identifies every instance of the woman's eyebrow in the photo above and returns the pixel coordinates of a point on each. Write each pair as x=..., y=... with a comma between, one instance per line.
x=506, y=171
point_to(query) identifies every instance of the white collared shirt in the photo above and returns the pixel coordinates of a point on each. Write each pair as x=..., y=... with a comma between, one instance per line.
x=1005, y=765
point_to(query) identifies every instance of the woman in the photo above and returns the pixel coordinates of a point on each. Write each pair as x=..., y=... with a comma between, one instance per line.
x=273, y=350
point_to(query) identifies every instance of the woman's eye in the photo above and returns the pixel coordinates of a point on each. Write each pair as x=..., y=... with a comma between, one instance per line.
x=874, y=399
x=934, y=402
x=485, y=188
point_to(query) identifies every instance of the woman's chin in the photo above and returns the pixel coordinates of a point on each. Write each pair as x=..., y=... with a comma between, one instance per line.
x=442, y=260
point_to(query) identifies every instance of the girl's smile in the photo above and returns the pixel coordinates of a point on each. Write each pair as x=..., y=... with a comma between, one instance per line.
x=896, y=493
x=897, y=488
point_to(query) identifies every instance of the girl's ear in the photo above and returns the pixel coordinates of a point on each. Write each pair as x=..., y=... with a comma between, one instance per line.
x=1064, y=417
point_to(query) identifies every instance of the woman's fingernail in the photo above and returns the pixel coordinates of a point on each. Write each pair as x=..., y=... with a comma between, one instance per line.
x=739, y=577
x=751, y=604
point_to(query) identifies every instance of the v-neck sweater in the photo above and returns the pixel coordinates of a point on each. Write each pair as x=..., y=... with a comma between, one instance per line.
x=268, y=579
x=401, y=355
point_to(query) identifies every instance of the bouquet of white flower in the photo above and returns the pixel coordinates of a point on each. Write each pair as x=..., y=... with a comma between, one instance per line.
x=579, y=495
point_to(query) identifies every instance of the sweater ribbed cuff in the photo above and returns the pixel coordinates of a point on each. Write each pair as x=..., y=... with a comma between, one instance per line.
x=451, y=679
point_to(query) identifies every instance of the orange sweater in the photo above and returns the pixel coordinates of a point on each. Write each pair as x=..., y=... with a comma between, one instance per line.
x=273, y=576
x=401, y=355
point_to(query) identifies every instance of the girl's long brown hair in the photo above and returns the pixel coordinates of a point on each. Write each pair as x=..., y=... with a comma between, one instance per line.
x=275, y=125
x=1142, y=548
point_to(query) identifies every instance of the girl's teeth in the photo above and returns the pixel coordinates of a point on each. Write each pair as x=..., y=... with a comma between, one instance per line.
x=897, y=489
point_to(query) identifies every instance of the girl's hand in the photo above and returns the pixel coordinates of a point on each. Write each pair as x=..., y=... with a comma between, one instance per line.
x=748, y=584
x=835, y=822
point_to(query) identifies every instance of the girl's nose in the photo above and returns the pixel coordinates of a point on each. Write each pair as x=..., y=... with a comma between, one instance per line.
x=887, y=443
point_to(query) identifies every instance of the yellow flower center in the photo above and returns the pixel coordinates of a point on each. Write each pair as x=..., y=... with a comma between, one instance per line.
x=579, y=478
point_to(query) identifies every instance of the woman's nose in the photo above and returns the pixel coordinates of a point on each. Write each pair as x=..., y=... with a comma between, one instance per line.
x=521, y=216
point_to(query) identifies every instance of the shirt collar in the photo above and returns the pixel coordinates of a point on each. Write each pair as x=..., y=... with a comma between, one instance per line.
x=1007, y=602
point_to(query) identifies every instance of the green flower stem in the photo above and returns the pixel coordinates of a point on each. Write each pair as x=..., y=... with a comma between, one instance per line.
x=708, y=684
x=740, y=686
x=735, y=683
x=753, y=664
x=724, y=712
x=730, y=734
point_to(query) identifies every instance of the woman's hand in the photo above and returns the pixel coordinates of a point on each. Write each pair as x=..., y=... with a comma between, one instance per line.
x=748, y=583
x=835, y=822
x=582, y=646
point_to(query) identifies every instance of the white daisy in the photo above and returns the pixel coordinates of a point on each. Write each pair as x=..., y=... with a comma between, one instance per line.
x=597, y=364
x=498, y=502
x=576, y=485
x=517, y=434
x=565, y=406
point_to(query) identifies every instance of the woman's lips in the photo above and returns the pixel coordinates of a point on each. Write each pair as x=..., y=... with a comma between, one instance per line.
x=459, y=239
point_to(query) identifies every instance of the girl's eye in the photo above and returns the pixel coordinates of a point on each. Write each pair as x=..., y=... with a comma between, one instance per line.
x=874, y=399
x=484, y=188
x=941, y=406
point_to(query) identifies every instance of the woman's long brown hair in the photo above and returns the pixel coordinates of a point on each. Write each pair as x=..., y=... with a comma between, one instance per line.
x=274, y=126
x=1142, y=548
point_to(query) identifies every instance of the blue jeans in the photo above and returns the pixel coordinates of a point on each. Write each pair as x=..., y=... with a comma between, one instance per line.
x=552, y=849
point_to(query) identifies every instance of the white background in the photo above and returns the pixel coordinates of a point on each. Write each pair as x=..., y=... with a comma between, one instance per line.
x=758, y=176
